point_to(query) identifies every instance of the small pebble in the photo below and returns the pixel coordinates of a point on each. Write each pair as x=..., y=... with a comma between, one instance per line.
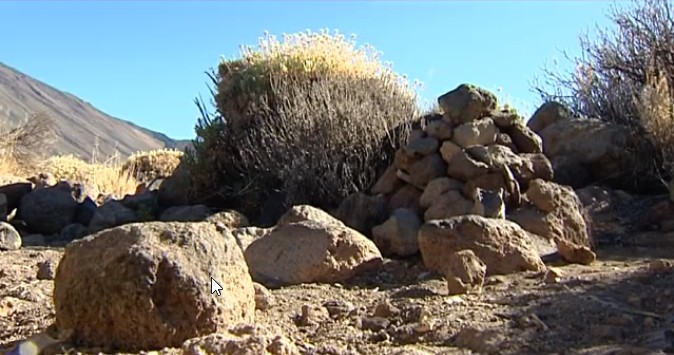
x=46, y=270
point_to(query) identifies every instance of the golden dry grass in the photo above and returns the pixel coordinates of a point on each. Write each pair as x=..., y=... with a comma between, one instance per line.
x=311, y=55
x=655, y=107
x=153, y=164
x=106, y=177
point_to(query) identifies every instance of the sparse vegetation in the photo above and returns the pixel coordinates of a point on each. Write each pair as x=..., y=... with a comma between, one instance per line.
x=312, y=116
x=626, y=77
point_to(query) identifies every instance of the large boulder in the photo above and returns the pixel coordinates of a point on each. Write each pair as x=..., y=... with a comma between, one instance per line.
x=322, y=250
x=555, y=212
x=502, y=245
x=583, y=150
x=146, y=286
x=48, y=210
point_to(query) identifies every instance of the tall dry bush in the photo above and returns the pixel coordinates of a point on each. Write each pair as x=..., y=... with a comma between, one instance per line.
x=613, y=73
x=312, y=116
x=22, y=147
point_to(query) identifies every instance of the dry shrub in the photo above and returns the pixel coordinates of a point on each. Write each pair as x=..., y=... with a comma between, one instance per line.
x=614, y=80
x=655, y=107
x=152, y=165
x=106, y=177
x=22, y=147
x=313, y=117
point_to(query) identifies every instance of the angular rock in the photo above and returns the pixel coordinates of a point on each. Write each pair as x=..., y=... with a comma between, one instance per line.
x=42, y=180
x=263, y=298
x=46, y=270
x=146, y=205
x=301, y=213
x=574, y=253
x=481, y=341
x=85, y=211
x=48, y=210
x=547, y=114
x=159, y=272
x=10, y=239
x=448, y=150
x=310, y=252
x=174, y=190
x=561, y=215
x=489, y=203
x=505, y=140
x=14, y=193
x=502, y=245
x=467, y=103
x=422, y=146
x=451, y=203
x=196, y=213
x=600, y=149
x=111, y=214
x=464, y=168
x=407, y=197
x=543, y=195
x=416, y=133
x=387, y=183
x=506, y=118
x=465, y=272
x=439, y=129
x=526, y=140
x=437, y=187
x=247, y=235
x=229, y=343
x=72, y=232
x=229, y=218
x=398, y=235
x=479, y=132
x=534, y=166
x=403, y=161
x=4, y=213
x=532, y=220
x=361, y=212
x=427, y=169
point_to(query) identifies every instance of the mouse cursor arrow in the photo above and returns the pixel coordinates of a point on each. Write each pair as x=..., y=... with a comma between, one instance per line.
x=215, y=287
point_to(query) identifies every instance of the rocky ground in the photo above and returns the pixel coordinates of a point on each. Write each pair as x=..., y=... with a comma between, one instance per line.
x=472, y=241
x=621, y=304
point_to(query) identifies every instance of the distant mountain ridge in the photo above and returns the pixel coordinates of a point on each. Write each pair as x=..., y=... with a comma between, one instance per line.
x=79, y=126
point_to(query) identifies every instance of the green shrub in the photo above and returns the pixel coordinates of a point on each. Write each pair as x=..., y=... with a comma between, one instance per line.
x=311, y=116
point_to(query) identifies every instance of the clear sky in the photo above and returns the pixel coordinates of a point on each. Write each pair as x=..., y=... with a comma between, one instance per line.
x=145, y=61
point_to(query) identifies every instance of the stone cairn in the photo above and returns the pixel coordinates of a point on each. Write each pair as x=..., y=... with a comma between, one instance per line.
x=474, y=158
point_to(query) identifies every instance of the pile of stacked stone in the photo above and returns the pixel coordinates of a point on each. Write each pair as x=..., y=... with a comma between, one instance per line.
x=475, y=158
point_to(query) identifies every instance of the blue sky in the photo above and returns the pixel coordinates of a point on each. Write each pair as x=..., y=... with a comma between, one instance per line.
x=145, y=61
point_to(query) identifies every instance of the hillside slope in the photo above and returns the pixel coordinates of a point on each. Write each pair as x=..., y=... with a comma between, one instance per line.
x=80, y=128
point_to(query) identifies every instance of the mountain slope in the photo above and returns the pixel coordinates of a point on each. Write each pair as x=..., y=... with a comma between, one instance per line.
x=80, y=128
